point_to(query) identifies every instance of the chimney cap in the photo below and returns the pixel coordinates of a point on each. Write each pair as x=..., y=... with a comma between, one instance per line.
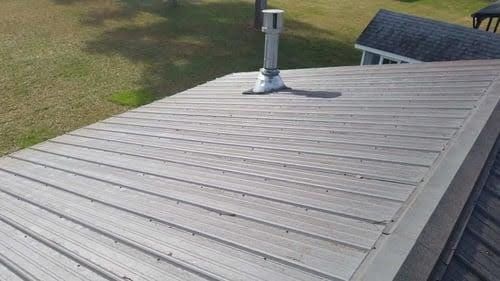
x=272, y=21
x=273, y=11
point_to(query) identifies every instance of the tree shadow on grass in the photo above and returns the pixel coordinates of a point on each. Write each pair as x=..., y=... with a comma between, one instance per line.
x=201, y=40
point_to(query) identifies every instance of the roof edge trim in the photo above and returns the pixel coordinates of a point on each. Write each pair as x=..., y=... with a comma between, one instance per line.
x=412, y=249
x=385, y=53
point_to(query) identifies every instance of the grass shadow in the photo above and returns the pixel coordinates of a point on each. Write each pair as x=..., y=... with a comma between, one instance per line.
x=201, y=40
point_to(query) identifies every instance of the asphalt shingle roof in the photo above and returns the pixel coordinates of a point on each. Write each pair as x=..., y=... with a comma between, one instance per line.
x=477, y=255
x=491, y=10
x=428, y=40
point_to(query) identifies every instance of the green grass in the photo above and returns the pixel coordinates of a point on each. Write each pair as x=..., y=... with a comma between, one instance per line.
x=64, y=61
x=34, y=137
x=132, y=98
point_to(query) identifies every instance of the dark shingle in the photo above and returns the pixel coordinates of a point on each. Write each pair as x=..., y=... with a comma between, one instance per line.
x=428, y=40
x=477, y=256
x=491, y=10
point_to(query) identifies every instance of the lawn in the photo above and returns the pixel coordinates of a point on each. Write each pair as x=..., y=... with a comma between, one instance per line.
x=69, y=63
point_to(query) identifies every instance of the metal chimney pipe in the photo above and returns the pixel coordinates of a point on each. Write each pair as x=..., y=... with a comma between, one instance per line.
x=272, y=27
x=269, y=79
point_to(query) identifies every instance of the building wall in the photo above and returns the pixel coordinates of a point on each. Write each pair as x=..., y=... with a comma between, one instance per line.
x=370, y=58
x=373, y=56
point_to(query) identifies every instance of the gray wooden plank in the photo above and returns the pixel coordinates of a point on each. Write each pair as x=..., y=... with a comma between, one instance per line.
x=334, y=136
x=221, y=180
x=90, y=213
x=13, y=273
x=388, y=82
x=317, y=117
x=279, y=175
x=251, y=165
x=322, y=145
x=381, y=102
x=320, y=109
x=417, y=132
x=473, y=75
x=355, y=167
x=266, y=214
x=26, y=257
x=212, y=259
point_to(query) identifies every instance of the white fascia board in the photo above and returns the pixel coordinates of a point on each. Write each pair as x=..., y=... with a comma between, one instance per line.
x=386, y=54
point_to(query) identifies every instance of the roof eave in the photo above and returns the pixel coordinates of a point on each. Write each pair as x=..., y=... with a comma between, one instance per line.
x=385, y=53
x=410, y=250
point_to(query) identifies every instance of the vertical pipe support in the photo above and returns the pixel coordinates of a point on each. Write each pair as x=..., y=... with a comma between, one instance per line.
x=269, y=79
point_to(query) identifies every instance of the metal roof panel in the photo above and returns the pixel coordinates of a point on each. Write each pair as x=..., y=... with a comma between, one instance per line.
x=211, y=184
